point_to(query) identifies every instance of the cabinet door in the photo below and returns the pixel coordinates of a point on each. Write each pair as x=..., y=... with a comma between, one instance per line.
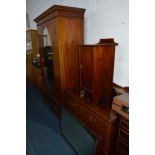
x=86, y=67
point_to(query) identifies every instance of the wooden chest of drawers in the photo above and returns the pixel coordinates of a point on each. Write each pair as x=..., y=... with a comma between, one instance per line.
x=123, y=137
x=121, y=107
x=34, y=74
x=101, y=122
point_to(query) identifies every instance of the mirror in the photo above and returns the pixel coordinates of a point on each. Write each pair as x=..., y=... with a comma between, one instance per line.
x=48, y=59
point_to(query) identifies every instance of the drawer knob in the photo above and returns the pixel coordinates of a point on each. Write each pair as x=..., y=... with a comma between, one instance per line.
x=92, y=119
x=71, y=102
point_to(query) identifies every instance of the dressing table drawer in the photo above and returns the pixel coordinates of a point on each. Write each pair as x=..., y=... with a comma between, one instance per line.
x=124, y=124
x=92, y=120
x=71, y=104
x=124, y=135
x=123, y=148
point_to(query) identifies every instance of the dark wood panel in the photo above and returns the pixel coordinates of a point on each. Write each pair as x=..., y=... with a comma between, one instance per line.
x=123, y=136
x=86, y=67
x=71, y=34
x=123, y=148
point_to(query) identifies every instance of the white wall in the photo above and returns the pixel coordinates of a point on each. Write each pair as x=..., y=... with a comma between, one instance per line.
x=103, y=19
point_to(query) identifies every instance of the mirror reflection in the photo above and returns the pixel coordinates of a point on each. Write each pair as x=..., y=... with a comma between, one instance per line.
x=48, y=59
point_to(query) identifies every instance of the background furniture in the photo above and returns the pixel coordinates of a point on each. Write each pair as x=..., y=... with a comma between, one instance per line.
x=65, y=26
x=123, y=136
x=32, y=43
x=34, y=75
x=33, y=71
x=120, y=106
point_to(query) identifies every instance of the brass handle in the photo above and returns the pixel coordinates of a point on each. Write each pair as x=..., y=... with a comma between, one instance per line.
x=71, y=102
x=92, y=119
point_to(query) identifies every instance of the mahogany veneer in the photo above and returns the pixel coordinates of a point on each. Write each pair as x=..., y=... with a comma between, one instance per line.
x=66, y=29
x=32, y=36
x=33, y=73
x=96, y=65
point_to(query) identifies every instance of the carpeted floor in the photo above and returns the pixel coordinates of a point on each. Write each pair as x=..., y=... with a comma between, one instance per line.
x=43, y=135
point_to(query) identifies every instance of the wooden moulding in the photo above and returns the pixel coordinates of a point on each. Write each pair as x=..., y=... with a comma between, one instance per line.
x=107, y=41
x=102, y=42
x=57, y=10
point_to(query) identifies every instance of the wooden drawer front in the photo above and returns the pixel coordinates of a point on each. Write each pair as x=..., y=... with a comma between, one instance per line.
x=124, y=135
x=92, y=120
x=124, y=125
x=98, y=126
x=71, y=104
x=123, y=147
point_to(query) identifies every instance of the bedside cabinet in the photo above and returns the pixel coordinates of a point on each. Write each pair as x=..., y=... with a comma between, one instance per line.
x=33, y=73
x=96, y=65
